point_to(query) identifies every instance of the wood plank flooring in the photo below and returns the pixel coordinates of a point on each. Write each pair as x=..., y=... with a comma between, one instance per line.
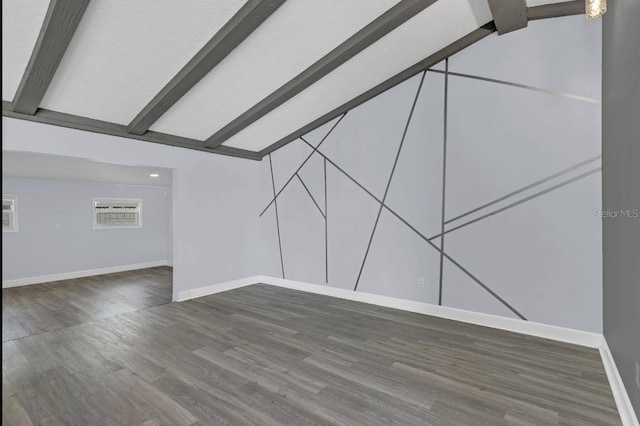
x=35, y=309
x=270, y=356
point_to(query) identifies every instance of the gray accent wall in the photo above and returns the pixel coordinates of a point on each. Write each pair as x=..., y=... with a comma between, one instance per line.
x=621, y=187
x=521, y=190
x=56, y=232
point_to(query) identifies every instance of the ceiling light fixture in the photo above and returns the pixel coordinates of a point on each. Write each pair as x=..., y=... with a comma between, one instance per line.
x=154, y=175
x=595, y=8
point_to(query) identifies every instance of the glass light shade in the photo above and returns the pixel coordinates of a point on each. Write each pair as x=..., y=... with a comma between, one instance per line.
x=595, y=8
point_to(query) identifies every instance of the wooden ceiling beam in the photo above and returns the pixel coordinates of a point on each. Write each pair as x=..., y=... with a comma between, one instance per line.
x=231, y=35
x=60, y=23
x=381, y=26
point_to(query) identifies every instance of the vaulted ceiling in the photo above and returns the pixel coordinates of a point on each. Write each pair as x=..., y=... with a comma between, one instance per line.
x=228, y=76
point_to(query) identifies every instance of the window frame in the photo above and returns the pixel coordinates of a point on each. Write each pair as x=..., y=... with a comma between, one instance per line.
x=14, y=199
x=98, y=227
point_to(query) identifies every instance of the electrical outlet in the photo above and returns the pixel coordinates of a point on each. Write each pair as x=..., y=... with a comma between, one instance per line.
x=230, y=267
x=637, y=375
x=421, y=282
x=58, y=227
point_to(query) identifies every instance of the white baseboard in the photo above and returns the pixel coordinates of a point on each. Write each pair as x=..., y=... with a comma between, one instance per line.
x=625, y=409
x=215, y=288
x=79, y=274
x=583, y=338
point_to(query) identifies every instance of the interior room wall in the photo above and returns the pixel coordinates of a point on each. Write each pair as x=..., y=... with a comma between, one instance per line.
x=621, y=189
x=170, y=229
x=519, y=176
x=56, y=232
x=214, y=202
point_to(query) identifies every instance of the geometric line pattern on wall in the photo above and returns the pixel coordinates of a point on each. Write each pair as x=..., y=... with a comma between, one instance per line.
x=273, y=184
x=324, y=216
x=425, y=238
x=311, y=196
x=386, y=191
x=429, y=240
x=475, y=77
x=474, y=184
x=443, y=231
x=302, y=165
x=521, y=86
x=457, y=264
x=525, y=188
x=444, y=177
x=517, y=203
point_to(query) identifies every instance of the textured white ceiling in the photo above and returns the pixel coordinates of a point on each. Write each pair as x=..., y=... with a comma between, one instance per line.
x=21, y=23
x=294, y=37
x=44, y=166
x=124, y=52
x=431, y=30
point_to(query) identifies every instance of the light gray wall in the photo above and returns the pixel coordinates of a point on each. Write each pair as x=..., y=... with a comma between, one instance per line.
x=56, y=232
x=621, y=187
x=170, y=228
x=214, y=197
x=541, y=255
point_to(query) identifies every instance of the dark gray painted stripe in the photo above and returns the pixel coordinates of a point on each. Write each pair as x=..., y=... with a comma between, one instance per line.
x=60, y=23
x=393, y=169
x=418, y=233
x=556, y=10
x=514, y=204
x=231, y=35
x=523, y=86
x=469, y=274
x=310, y=195
x=437, y=57
x=303, y=163
x=525, y=188
x=381, y=26
x=508, y=15
x=273, y=184
x=326, y=225
x=330, y=161
x=444, y=176
x=97, y=126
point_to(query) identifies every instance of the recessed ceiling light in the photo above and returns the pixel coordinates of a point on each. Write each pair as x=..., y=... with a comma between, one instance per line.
x=154, y=175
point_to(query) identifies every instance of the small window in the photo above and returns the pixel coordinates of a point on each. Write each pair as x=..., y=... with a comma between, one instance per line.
x=113, y=213
x=9, y=213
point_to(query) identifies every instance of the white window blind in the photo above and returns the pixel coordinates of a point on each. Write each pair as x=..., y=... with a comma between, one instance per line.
x=110, y=213
x=9, y=213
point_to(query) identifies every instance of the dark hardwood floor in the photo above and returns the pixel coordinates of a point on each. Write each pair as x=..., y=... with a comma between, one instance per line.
x=270, y=356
